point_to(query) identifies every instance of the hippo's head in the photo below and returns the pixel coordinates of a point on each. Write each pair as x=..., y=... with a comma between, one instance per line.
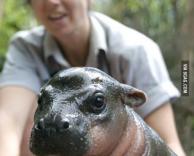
x=81, y=111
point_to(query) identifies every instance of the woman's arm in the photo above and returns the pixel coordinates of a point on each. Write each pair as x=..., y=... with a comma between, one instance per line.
x=15, y=106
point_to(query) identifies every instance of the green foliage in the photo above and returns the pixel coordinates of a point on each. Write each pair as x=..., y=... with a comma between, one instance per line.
x=150, y=16
x=16, y=16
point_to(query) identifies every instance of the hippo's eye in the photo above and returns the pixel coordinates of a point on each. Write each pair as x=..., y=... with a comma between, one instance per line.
x=98, y=103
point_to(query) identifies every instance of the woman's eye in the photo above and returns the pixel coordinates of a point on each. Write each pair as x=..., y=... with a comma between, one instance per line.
x=98, y=103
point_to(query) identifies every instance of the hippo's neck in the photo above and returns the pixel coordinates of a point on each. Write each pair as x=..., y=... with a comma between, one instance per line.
x=132, y=141
x=146, y=141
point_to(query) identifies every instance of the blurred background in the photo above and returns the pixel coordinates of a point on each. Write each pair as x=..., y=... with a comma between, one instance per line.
x=170, y=23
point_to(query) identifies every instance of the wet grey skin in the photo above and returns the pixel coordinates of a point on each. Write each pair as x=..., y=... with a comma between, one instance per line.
x=76, y=102
x=68, y=105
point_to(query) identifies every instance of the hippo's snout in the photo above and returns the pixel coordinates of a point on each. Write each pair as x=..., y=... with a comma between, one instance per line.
x=56, y=124
x=57, y=135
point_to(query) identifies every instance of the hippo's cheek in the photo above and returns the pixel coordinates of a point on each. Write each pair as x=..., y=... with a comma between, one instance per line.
x=102, y=141
x=68, y=143
x=106, y=135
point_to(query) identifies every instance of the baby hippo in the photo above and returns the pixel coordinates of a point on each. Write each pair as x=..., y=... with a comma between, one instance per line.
x=85, y=112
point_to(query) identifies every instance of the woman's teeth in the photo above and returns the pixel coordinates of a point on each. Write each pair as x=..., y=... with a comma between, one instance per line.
x=56, y=16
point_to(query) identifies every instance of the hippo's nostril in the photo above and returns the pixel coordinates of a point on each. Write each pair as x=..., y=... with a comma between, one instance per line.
x=65, y=124
x=40, y=124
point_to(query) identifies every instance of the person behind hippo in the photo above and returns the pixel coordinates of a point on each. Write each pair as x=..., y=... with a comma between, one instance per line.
x=73, y=35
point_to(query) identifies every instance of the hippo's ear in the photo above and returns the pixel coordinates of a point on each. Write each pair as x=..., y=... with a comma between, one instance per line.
x=132, y=96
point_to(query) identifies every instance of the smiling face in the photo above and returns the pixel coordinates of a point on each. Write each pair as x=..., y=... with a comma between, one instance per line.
x=62, y=17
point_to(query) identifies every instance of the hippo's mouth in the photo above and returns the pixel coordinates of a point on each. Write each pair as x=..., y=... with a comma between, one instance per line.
x=60, y=144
